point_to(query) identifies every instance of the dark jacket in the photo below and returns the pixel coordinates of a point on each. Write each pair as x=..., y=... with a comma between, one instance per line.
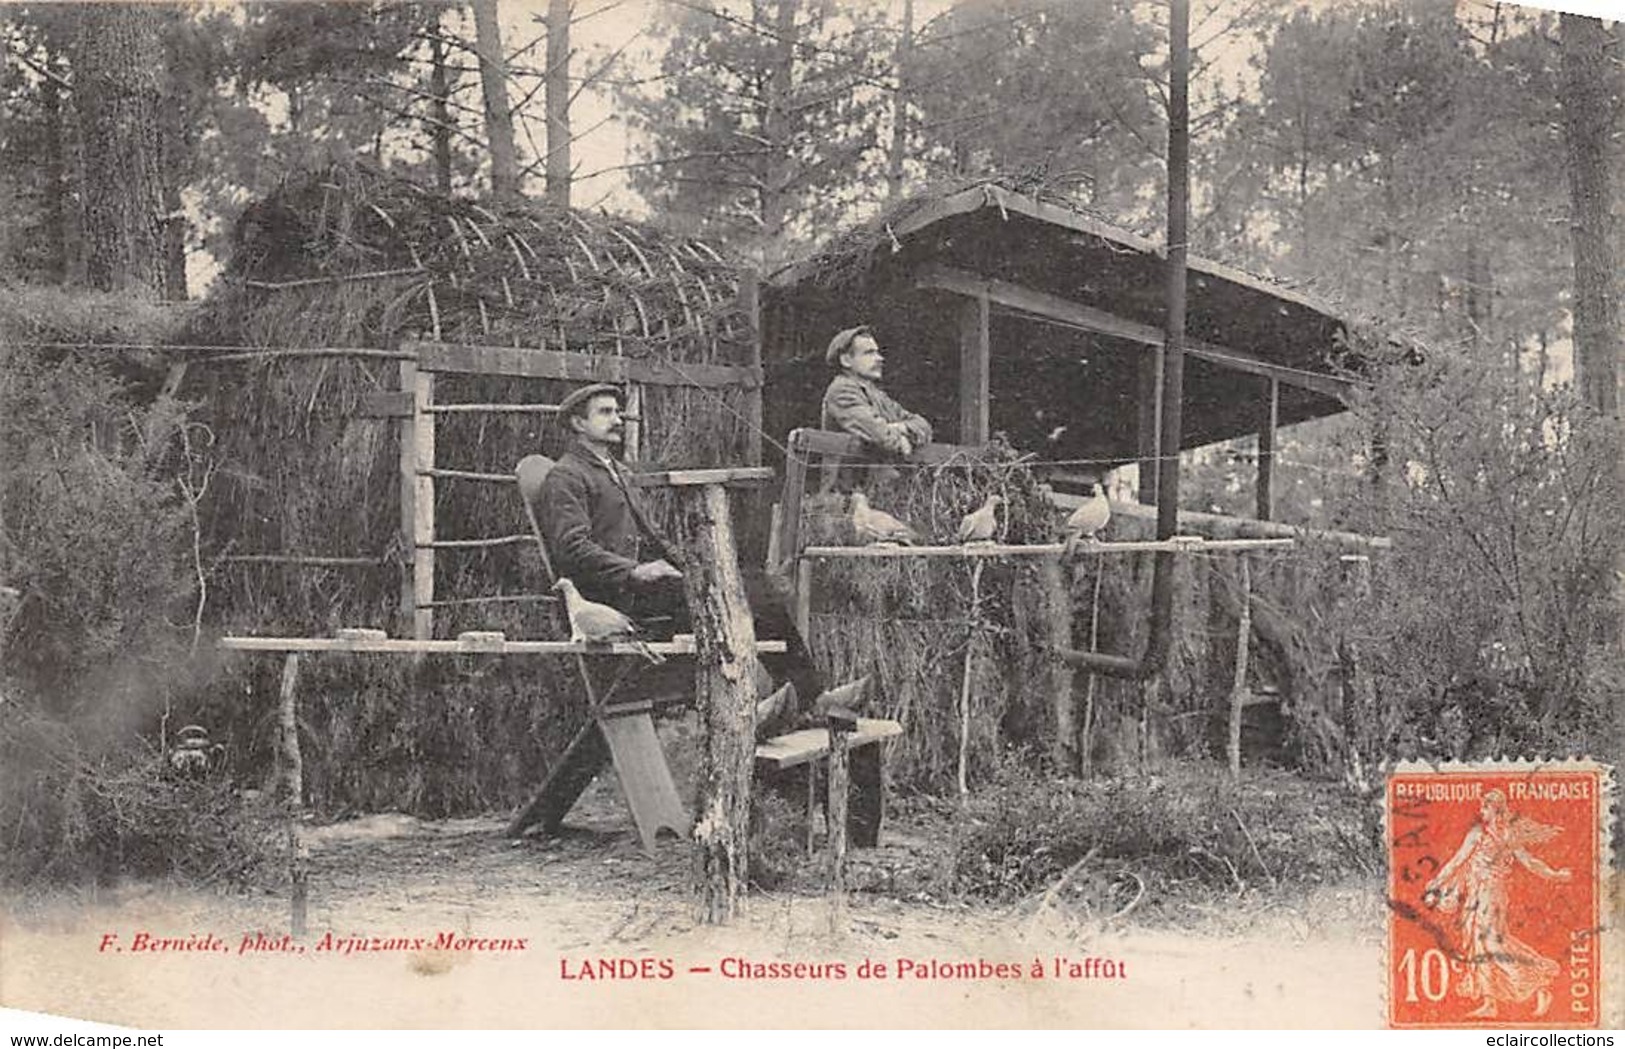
x=863, y=409
x=595, y=529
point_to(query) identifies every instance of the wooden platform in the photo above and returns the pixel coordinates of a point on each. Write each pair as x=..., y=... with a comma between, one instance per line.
x=482, y=647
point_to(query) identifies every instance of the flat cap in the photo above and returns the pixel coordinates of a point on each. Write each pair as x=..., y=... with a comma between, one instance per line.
x=580, y=396
x=842, y=340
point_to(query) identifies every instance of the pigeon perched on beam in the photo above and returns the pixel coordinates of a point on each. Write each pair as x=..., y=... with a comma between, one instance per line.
x=594, y=623
x=877, y=526
x=1087, y=520
x=979, y=525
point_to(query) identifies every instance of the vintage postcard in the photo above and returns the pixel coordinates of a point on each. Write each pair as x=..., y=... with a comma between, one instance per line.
x=811, y=514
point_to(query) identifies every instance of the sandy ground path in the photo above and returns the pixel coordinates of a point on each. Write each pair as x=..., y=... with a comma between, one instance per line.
x=592, y=899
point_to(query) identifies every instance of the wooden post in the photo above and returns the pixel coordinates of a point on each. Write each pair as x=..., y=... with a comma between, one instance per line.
x=974, y=355
x=1269, y=418
x=1150, y=425
x=1358, y=703
x=291, y=783
x=423, y=427
x=632, y=448
x=803, y=598
x=836, y=812
x=725, y=671
x=1057, y=609
x=1238, y=687
x=406, y=437
x=750, y=305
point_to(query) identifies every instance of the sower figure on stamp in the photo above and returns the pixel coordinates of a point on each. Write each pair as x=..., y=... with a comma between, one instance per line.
x=1475, y=887
x=855, y=403
x=601, y=538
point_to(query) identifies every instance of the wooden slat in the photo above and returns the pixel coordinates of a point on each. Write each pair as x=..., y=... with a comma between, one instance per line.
x=469, y=475
x=407, y=483
x=423, y=541
x=750, y=304
x=313, y=560
x=1067, y=311
x=723, y=475
x=1194, y=521
x=493, y=409
x=413, y=646
x=810, y=744
x=1128, y=546
x=577, y=367
x=645, y=777
x=473, y=544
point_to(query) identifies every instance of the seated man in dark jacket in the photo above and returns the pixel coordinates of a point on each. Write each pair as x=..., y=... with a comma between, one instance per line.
x=601, y=538
x=597, y=531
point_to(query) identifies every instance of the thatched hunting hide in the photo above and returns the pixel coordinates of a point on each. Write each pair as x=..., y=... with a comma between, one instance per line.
x=341, y=284
x=1073, y=308
x=1028, y=333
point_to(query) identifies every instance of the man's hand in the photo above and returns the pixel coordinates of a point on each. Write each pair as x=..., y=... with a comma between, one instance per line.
x=900, y=435
x=654, y=572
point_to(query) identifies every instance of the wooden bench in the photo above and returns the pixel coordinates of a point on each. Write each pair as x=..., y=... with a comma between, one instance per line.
x=809, y=748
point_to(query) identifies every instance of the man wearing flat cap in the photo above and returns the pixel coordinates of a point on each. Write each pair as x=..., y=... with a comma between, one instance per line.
x=600, y=537
x=596, y=529
x=855, y=403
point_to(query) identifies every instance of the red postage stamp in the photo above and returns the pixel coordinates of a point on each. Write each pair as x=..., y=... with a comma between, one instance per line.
x=1495, y=899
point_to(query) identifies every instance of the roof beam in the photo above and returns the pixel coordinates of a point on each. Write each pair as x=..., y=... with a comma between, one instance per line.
x=1075, y=314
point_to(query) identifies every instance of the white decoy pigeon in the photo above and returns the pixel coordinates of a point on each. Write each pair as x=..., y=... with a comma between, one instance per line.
x=594, y=623
x=877, y=526
x=979, y=525
x=1087, y=520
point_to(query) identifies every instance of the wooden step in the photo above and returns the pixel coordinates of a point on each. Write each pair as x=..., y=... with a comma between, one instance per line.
x=810, y=744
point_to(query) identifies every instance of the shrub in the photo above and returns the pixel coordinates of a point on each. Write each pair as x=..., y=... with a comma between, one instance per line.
x=1191, y=825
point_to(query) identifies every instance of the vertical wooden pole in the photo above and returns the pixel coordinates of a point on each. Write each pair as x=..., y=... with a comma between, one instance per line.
x=803, y=598
x=836, y=812
x=725, y=669
x=1269, y=418
x=1057, y=607
x=292, y=786
x=750, y=305
x=1238, y=687
x=632, y=446
x=812, y=802
x=974, y=357
x=1150, y=425
x=1359, y=705
x=406, y=436
x=422, y=505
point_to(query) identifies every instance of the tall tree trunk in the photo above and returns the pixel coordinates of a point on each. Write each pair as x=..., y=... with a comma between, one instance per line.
x=1588, y=120
x=175, y=146
x=440, y=126
x=899, y=116
x=494, y=86
x=558, y=102
x=776, y=129
x=56, y=183
x=118, y=71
